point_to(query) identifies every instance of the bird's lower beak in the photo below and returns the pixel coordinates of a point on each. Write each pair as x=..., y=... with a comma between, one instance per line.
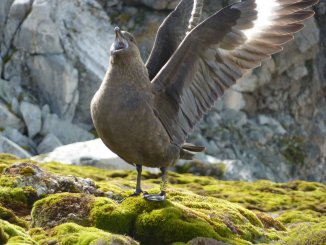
x=118, y=34
x=120, y=42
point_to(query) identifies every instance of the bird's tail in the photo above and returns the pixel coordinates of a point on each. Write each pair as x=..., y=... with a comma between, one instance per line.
x=188, y=151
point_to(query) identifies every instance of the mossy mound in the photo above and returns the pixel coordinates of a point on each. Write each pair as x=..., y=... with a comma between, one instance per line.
x=71, y=233
x=230, y=212
x=13, y=234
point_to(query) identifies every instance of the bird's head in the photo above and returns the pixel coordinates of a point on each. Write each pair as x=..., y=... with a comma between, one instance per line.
x=124, y=43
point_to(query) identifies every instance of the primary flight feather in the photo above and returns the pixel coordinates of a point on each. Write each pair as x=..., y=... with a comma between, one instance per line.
x=144, y=112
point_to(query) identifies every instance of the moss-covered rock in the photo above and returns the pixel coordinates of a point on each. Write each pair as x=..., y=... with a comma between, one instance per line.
x=12, y=234
x=70, y=233
x=8, y=215
x=221, y=212
x=61, y=208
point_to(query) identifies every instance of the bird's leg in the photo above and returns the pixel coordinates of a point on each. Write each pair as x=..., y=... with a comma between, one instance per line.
x=162, y=195
x=138, y=190
x=138, y=185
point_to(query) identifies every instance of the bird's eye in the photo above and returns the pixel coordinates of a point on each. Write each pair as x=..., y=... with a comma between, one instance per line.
x=132, y=39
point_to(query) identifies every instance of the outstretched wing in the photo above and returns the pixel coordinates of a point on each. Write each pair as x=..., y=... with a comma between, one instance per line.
x=171, y=32
x=218, y=52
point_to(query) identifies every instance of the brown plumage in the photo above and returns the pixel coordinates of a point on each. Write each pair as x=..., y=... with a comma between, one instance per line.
x=144, y=113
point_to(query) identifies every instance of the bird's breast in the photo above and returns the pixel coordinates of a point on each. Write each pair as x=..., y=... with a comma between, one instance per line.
x=126, y=123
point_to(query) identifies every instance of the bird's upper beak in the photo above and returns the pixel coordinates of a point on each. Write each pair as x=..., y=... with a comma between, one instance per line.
x=120, y=43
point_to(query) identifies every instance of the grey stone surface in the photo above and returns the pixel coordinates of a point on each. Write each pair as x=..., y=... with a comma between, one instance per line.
x=32, y=116
x=57, y=82
x=8, y=119
x=38, y=33
x=155, y=4
x=4, y=10
x=7, y=146
x=7, y=91
x=65, y=131
x=18, y=138
x=48, y=144
x=17, y=13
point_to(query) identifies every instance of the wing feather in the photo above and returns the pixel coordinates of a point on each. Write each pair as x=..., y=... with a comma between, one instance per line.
x=171, y=33
x=217, y=52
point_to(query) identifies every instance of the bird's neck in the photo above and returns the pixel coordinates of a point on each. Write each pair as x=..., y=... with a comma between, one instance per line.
x=126, y=72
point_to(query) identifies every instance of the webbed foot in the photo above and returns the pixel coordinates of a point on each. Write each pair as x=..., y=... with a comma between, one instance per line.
x=161, y=197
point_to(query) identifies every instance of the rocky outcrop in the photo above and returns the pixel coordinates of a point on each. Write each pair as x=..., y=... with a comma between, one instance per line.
x=57, y=203
x=54, y=55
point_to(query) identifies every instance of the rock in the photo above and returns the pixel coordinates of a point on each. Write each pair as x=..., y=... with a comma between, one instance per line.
x=203, y=165
x=15, y=70
x=4, y=10
x=205, y=241
x=59, y=46
x=7, y=91
x=7, y=146
x=92, y=152
x=32, y=117
x=20, y=139
x=57, y=81
x=45, y=183
x=8, y=119
x=234, y=100
x=234, y=118
x=156, y=4
x=297, y=72
x=38, y=33
x=86, y=35
x=16, y=16
x=65, y=131
x=238, y=170
x=248, y=83
x=309, y=37
x=48, y=144
x=70, y=231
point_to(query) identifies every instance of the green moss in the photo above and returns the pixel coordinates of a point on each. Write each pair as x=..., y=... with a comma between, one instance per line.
x=8, y=215
x=294, y=149
x=60, y=208
x=2, y=167
x=27, y=171
x=299, y=216
x=13, y=198
x=190, y=214
x=8, y=159
x=230, y=211
x=71, y=233
x=12, y=234
x=164, y=223
x=8, y=181
x=312, y=234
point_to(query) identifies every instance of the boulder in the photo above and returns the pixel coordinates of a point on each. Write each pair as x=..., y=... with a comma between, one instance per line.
x=64, y=130
x=8, y=119
x=20, y=139
x=48, y=144
x=57, y=82
x=7, y=91
x=32, y=116
x=4, y=10
x=16, y=16
x=7, y=146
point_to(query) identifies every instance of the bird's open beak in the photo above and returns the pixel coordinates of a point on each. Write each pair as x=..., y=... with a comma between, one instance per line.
x=120, y=42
